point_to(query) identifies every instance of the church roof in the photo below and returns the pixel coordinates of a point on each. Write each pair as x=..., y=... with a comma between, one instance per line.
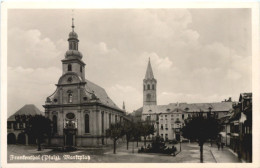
x=101, y=94
x=28, y=109
x=185, y=107
x=149, y=71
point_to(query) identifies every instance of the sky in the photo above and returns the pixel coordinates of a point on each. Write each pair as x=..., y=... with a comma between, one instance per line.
x=197, y=55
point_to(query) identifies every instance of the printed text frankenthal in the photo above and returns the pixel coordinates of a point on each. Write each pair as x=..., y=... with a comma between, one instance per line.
x=49, y=157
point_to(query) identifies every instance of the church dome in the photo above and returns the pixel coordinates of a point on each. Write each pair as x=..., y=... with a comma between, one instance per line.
x=73, y=35
x=73, y=54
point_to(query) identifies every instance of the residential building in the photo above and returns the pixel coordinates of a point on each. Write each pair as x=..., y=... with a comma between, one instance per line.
x=172, y=116
x=237, y=132
x=17, y=123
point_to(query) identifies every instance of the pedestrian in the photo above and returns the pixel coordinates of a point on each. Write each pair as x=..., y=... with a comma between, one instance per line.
x=222, y=145
x=174, y=150
x=218, y=145
x=142, y=149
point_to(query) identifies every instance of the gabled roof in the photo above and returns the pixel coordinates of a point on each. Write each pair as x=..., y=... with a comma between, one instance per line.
x=101, y=94
x=28, y=109
x=149, y=71
x=185, y=107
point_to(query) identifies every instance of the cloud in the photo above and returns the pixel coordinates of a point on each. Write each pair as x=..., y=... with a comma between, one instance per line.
x=116, y=48
x=159, y=62
x=130, y=95
x=32, y=49
x=30, y=86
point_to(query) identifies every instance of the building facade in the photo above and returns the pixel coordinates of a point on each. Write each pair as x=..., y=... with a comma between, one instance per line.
x=237, y=127
x=172, y=116
x=18, y=122
x=80, y=110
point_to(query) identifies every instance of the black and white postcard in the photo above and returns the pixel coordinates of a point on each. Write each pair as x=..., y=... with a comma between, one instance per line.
x=153, y=83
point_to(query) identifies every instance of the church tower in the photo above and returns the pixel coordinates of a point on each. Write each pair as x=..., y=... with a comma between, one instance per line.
x=79, y=109
x=73, y=58
x=149, y=87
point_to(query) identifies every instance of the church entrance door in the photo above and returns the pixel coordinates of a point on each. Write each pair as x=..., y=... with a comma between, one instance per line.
x=69, y=140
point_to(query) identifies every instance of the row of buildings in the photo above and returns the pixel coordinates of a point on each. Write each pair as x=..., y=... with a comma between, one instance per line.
x=81, y=111
x=235, y=117
x=237, y=127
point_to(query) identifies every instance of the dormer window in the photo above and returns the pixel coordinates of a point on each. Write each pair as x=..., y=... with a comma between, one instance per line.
x=69, y=67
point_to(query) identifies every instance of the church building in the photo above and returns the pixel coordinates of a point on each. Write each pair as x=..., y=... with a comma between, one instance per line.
x=171, y=117
x=80, y=110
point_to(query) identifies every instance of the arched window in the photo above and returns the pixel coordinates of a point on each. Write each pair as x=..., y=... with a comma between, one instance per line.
x=86, y=123
x=148, y=87
x=144, y=87
x=80, y=68
x=153, y=86
x=70, y=46
x=69, y=67
x=70, y=98
x=54, y=121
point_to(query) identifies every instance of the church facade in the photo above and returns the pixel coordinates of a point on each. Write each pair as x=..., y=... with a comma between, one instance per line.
x=80, y=110
x=171, y=117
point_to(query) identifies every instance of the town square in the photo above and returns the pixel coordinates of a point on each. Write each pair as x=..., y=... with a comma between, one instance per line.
x=170, y=85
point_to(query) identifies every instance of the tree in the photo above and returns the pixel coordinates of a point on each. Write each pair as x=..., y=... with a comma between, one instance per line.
x=201, y=129
x=115, y=132
x=128, y=131
x=40, y=128
x=147, y=128
x=137, y=131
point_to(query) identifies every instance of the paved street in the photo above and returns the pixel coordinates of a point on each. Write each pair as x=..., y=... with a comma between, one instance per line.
x=189, y=154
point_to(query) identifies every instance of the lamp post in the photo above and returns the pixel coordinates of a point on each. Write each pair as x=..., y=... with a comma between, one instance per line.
x=209, y=116
x=180, y=137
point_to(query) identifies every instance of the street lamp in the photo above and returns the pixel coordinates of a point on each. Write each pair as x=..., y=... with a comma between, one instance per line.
x=180, y=137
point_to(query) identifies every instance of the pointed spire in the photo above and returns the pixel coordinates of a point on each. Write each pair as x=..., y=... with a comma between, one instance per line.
x=149, y=71
x=73, y=24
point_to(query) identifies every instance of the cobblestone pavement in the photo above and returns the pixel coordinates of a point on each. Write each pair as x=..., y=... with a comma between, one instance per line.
x=189, y=154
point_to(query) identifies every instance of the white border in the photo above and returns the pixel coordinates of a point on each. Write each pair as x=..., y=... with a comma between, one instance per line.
x=133, y=4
